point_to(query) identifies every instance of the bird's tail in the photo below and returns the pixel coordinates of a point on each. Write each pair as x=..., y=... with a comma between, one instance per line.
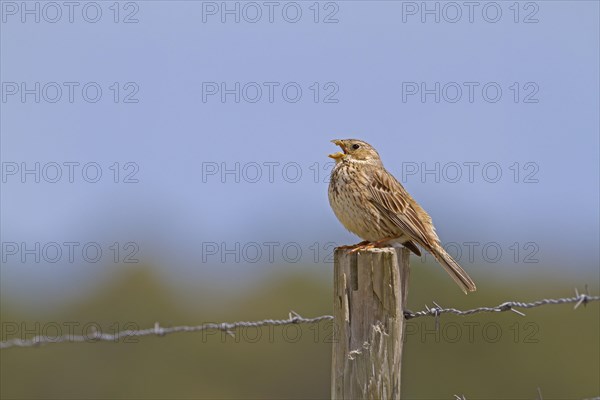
x=454, y=270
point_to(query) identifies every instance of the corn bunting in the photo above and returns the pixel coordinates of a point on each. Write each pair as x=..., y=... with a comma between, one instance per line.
x=373, y=205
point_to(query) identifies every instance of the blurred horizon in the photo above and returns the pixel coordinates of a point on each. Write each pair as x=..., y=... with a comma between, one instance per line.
x=283, y=362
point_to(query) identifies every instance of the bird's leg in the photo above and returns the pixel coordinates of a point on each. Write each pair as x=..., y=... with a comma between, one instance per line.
x=352, y=246
x=371, y=245
x=361, y=246
x=383, y=242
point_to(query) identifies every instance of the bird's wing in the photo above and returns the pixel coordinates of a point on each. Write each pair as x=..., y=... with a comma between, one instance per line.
x=394, y=203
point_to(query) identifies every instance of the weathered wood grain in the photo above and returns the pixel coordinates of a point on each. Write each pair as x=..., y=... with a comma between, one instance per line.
x=370, y=289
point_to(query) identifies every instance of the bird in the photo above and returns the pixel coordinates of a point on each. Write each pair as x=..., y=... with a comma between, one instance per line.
x=373, y=205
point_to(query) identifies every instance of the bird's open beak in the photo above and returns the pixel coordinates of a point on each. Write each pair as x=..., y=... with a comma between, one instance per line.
x=339, y=155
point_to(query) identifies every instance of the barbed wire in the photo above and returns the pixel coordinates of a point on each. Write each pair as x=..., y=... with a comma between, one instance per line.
x=157, y=330
x=293, y=318
x=578, y=299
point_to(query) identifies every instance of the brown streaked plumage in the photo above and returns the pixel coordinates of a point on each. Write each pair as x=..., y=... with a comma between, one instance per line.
x=372, y=204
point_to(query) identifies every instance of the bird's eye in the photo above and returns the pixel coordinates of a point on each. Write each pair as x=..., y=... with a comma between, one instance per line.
x=355, y=146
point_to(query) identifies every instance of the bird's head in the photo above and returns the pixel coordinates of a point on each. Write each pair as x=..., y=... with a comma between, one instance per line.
x=355, y=150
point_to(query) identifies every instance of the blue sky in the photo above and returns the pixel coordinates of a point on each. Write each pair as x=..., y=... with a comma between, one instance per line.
x=516, y=98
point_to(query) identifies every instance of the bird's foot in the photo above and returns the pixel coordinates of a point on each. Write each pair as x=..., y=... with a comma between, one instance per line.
x=353, y=246
x=366, y=245
x=362, y=246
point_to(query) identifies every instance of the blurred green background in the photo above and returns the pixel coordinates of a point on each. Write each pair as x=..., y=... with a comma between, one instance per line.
x=499, y=356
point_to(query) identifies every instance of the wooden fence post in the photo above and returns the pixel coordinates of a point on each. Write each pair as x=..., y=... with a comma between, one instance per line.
x=370, y=289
